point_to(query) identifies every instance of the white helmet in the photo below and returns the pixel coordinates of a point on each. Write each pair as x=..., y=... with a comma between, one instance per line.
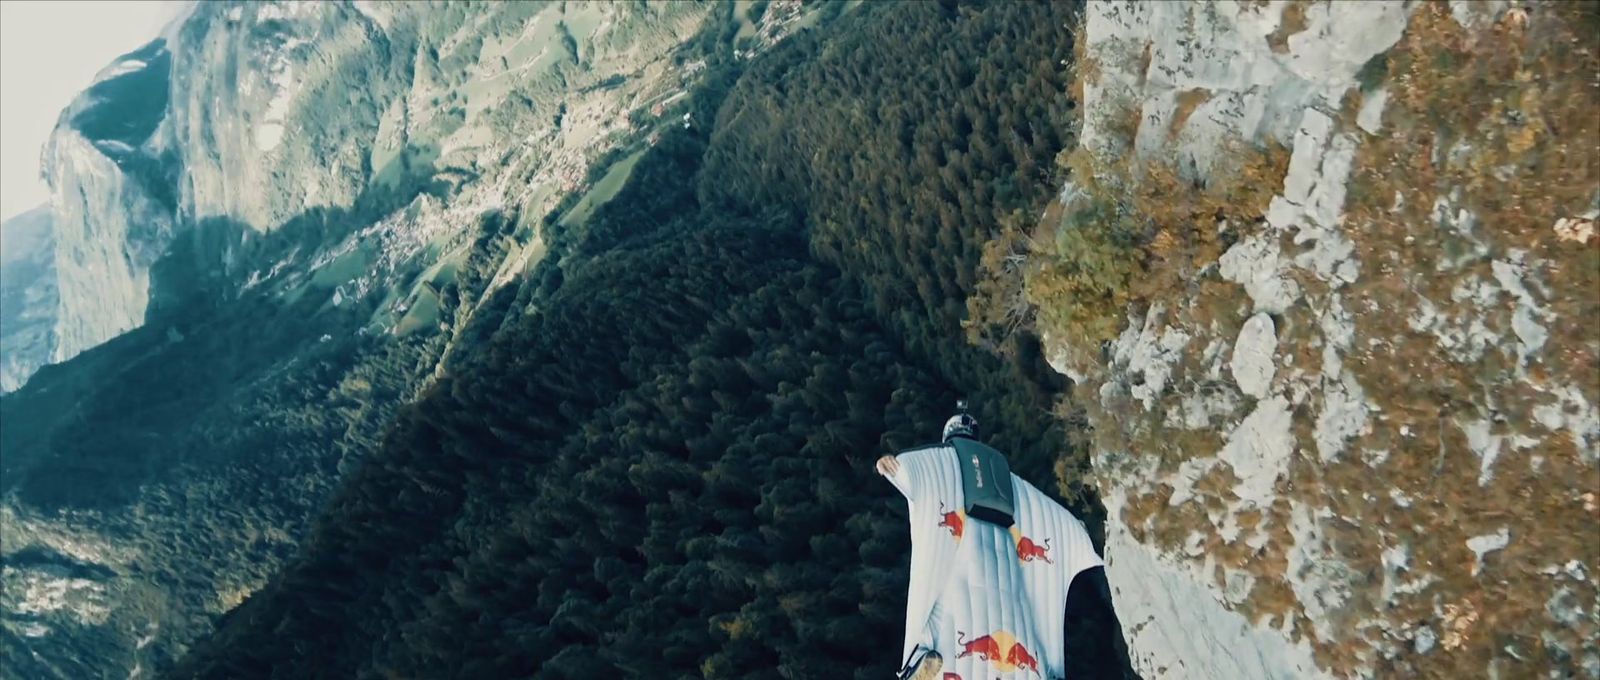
x=961, y=425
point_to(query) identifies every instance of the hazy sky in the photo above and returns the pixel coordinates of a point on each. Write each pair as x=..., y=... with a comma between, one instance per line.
x=49, y=52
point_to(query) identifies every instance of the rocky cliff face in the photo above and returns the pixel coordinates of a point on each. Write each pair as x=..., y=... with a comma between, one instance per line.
x=275, y=106
x=251, y=115
x=110, y=219
x=27, y=295
x=108, y=232
x=1327, y=280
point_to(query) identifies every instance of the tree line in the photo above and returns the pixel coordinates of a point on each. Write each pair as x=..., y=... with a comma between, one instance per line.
x=653, y=457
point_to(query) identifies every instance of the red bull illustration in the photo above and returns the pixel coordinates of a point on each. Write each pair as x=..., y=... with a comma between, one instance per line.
x=1000, y=649
x=1021, y=658
x=1028, y=550
x=954, y=521
x=986, y=647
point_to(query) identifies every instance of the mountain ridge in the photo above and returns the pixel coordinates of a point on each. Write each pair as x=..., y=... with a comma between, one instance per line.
x=253, y=367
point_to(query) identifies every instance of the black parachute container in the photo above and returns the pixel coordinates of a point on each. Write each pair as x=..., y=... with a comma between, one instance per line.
x=985, y=475
x=985, y=482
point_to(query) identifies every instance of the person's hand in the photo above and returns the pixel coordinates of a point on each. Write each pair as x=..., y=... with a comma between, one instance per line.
x=888, y=466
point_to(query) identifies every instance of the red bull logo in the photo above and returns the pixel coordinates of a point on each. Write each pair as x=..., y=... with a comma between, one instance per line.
x=1020, y=657
x=1028, y=550
x=1000, y=649
x=951, y=676
x=954, y=521
x=986, y=648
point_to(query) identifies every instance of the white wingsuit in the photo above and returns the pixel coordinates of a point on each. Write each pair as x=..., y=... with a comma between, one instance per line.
x=990, y=600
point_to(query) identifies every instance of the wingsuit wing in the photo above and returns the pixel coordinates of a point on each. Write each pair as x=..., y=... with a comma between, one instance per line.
x=1052, y=546
x=931, y=483
x=990, y=600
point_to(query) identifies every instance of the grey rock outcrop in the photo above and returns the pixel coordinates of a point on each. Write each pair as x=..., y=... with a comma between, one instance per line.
x=109, y=231
x=1387, y=479
x=27, y=296
x=251, y=114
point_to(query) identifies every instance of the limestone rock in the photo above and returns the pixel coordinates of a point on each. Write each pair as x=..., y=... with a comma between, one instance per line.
x=1253, y=360
x=1411, y=351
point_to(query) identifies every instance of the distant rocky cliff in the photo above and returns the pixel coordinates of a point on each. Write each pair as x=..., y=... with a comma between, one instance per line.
x=1327, y=278
x=27, y=296
x=252, y=114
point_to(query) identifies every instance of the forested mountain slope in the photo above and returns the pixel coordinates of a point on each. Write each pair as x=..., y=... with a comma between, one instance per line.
x=652, y=456
x=269, y=225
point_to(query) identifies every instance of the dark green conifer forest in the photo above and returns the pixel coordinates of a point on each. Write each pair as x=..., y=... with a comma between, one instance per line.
x=652, y=457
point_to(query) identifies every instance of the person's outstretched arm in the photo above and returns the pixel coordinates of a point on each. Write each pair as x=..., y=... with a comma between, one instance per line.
x=890, y=468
